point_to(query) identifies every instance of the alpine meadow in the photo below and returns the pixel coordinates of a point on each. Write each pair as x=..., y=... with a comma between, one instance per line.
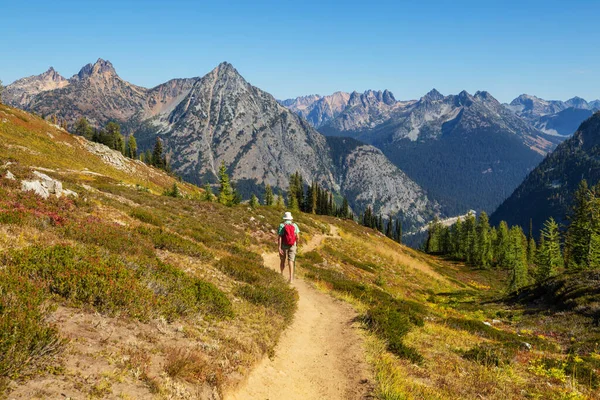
x=177, y=226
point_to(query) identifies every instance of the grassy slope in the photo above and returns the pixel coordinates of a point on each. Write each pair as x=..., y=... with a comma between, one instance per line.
x=445, y=335
x=193, y=309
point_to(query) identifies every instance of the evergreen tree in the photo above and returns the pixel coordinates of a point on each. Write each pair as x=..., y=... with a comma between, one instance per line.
x=389, y=232
x=398, y=230
x=579, y=231
x=254, y=201
x=157, y=158
x=314, y=197
x=502, y=246
x=148, y=157
x=483, y=248
x=226, y=196
x=345, y=210
x=268, y=195
x=1, y=91
x=531, y=252
x=593, y=256
x=455, y=238
x=131, y=149
x=208, y=194
x=280, y=202
x=83, y=128
x=516, y=259
x=432, y=245
x=549, y=258
x=468, y=238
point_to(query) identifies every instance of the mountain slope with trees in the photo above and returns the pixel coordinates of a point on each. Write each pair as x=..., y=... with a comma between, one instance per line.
x=548, y=190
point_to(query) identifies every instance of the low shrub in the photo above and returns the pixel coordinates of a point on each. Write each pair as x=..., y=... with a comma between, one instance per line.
x=345, y=258
x=186, y=364
x=181, y=294
x=392, y=325
x=165, y=240
x=280, y=298
x=312, y=257
x=27, y=340
x=242, y=269
x=83, y=276
x=113, y=237
x=145, y=216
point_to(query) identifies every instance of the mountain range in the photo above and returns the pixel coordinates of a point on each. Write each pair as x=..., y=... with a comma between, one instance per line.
x=554, y=117
x=221, y=118
x=548, y=190
x=468, y=151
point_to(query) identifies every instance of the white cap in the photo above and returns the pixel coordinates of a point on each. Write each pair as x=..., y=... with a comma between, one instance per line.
x=287, y=216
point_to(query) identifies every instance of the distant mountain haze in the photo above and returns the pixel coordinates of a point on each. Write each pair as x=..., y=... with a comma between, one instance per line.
x=222, y=118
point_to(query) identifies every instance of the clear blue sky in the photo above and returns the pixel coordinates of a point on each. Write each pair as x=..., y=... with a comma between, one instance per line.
x=548, y=48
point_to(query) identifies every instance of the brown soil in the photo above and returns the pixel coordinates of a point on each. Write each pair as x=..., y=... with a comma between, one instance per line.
x=320, y=356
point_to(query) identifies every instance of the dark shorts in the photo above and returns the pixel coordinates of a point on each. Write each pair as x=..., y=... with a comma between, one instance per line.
x=289, y=253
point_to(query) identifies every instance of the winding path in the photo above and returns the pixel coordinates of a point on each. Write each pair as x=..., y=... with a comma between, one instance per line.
x=320, y=356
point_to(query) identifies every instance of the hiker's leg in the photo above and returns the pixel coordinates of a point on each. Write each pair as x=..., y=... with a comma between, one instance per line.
x=282, y=262
x=292, y=261
x=291, y=266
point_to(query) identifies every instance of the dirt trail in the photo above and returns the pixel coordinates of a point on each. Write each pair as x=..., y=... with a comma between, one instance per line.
x=320, y=356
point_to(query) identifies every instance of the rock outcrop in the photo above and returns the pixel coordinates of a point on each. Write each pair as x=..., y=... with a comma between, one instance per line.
x=45, y=186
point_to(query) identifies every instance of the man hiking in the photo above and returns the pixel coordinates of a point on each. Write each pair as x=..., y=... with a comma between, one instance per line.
x=287, y=241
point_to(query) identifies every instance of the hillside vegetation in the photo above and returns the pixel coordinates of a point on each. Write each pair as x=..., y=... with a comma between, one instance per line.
x=123, y=292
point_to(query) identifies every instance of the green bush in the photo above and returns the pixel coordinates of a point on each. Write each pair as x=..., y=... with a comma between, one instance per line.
x=145, y=216
x=242, y=269
x=281, y=298
x=392, y=325
x=312, y=257
x=166, y=240
x=27, y=340
x=181, y=294
x=83, y=276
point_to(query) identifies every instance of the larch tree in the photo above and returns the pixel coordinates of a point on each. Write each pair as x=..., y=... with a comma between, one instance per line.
x=225, y=190
x=268, y=195
x=549, y=257
x=578, y=233
x=516, y=260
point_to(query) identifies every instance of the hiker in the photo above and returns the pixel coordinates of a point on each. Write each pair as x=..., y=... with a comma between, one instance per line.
x=287, y=240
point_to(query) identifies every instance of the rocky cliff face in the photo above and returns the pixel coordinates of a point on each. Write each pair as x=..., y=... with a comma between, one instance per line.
x=318, y=110
x=20, y=93
x=365, y=174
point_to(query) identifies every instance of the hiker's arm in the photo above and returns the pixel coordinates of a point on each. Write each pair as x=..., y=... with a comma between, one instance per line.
x=279, y=245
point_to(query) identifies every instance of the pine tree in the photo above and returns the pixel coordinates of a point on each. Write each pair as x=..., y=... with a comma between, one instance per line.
x=501, y=246
x=83, y=128
x=131, y=149
x=398, y=230
x=268, y=196
x=549, y=258
x=593, y=256
x=254, y=201
x=148, y=157
x=280, y=202
x=345, y=211
x=314, y=197
x=579, y=231
x=469, y=238
x=388, y=227
x=483, y=247
x=225, y=191
x=516, y=259
x=457, y=251
x=208, y=194
x=157, y=154
x=432, y=245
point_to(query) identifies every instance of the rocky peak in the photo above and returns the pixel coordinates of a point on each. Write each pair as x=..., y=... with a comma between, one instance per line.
x=577, y=102
x=486, y=97
x=388, y=98
x=464, y=99
x=99, y=68
x=433, y=95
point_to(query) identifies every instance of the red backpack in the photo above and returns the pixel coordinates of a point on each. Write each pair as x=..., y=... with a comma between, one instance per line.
x=288, y=236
